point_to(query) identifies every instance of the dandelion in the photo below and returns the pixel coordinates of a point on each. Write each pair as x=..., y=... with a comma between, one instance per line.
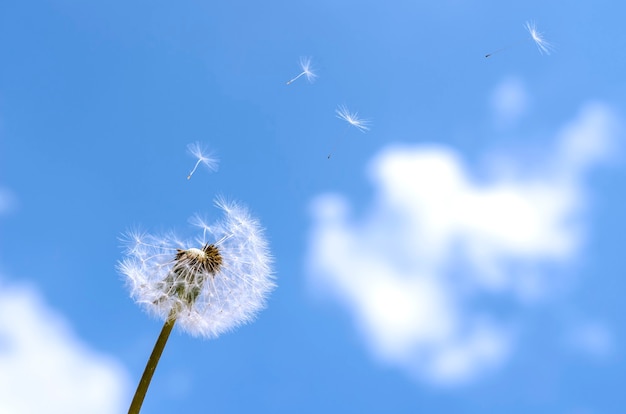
x=208, y=285
x=203, y=157
x=305, y=64
x=543, y=45
x=351, y=118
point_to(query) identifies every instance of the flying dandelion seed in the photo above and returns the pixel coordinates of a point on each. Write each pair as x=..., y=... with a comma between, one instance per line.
x=544, y=46
x=203, y=157
x=352, y=118
x=496, y=51
x=307, y=70
x=209, y=285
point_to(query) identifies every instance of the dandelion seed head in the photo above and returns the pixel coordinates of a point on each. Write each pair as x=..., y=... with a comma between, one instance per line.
x=352, y=118
x=214, y=283
x=543, y=45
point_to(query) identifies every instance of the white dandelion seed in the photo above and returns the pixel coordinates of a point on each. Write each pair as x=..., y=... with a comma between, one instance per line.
x=352, y=118
x=543, y=45
x=307, y=70
x=208, y=285
x=203, y=157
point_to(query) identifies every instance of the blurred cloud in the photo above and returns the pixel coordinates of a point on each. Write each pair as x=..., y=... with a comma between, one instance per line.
x=509, y=101
x=436, y=247
x=592, y=338
x=8, y=201
x=45, y=368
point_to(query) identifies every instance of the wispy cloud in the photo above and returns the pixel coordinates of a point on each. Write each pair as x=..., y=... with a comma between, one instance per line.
x=8, y=201
x=592, y=338
x=435, y=243
x=509, y=101
x=45, y=368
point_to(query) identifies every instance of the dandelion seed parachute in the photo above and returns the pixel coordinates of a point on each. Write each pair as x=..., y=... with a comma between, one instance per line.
x=203, y=156
x=352, y=118
x=543, y=45
x=307, y=70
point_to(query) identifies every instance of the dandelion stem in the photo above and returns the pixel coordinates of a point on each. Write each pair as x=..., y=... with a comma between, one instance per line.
x=294, y=79
x=194, y=169
x=502, y=49
x=144, y=383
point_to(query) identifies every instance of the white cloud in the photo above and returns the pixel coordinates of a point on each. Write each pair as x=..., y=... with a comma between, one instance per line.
x=509, y=101
x=45, y=368
x=436, y=243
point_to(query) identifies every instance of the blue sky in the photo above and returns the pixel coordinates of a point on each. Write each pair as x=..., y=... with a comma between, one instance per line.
x=464, y=255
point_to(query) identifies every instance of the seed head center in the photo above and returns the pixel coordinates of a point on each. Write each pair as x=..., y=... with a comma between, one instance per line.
x=207, y=259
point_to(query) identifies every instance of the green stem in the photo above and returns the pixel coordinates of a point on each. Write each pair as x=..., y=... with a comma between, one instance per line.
x=142, y=388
